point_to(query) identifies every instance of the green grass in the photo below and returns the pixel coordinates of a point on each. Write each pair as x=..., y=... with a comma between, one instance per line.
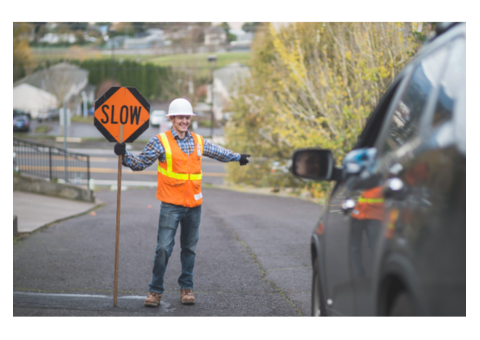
x=195, y=60
x=42, y=129
x=199, y=60
x=80, y=119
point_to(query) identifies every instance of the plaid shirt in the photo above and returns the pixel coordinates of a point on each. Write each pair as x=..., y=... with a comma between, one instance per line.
x=154, y=150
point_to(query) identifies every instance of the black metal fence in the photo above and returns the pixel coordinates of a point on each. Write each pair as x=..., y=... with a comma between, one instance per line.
x=52, y=163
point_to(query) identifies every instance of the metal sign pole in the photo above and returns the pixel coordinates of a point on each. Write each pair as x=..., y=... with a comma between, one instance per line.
x=65, y=140
x=117, y=239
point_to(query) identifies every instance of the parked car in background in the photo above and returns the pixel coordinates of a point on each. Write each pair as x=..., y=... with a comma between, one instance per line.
x=157, y=117
x=21, y=124
x=17, y=112
x=52, y=114
x=391, y=239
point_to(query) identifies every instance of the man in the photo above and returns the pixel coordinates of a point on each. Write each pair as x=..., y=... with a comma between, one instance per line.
x=179, y=154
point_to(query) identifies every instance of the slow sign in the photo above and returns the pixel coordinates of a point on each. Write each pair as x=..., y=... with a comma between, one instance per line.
x=122, y=106
x=121, y=115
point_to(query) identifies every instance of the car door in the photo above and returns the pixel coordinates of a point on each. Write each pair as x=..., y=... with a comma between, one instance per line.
x=397, y=163
x=352, y=235
x=337, y=257
x=430, y=216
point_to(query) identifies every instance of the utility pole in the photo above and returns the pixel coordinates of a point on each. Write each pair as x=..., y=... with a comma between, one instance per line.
x=65, y=140
x=212, y=59
x=84, y=97
x=113, y=61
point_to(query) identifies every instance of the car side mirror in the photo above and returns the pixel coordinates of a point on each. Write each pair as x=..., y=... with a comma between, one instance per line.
x=316, y=164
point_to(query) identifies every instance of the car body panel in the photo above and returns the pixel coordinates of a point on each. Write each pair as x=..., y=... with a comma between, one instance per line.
x=420, y=240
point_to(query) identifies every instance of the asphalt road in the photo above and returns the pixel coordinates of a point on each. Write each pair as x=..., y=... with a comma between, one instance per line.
x=253, y=259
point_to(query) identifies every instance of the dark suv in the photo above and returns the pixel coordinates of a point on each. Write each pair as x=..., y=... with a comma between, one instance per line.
x=391, y=239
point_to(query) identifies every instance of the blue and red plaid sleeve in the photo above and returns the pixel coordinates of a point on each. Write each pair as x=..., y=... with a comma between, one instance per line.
x=152, y=152
x=219, y=153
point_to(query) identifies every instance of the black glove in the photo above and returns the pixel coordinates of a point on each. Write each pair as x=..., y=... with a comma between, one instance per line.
x=243, y=159
x=119, y=149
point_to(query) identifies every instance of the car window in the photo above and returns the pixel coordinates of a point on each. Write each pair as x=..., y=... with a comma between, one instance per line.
x=374, y=123
x=408, y=112
x=450, y=83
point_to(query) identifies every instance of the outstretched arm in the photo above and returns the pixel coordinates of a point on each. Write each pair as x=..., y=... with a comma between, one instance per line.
x=223, y=155
x=153, y=151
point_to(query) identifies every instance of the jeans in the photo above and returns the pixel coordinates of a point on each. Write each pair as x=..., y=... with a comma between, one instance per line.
x=189, y=219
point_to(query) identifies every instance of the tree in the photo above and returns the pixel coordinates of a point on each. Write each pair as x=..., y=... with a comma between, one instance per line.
x=123, y=28
x=63, y=28
x=226, y=27
x=79, y=37
x=251, y=26
x=103, y=23
x=314, y=85
x=139, y=27
x=75, y=26
x=23, y=61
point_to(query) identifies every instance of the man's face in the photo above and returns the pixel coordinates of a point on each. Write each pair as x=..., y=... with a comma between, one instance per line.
x=180, y=123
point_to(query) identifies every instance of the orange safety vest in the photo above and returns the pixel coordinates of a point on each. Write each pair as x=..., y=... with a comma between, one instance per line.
x=179, y=177
x=370, y=205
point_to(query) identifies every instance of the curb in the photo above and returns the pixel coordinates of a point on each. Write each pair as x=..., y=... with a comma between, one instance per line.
x=98, y=204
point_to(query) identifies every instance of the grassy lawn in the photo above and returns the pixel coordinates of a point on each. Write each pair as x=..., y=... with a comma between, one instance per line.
x=196, y=60
x=199, y=60
x=59, y=54
x=80, y=119
x=42, y=129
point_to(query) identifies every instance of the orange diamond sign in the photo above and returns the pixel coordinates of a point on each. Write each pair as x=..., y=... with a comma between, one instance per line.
x=122, y=106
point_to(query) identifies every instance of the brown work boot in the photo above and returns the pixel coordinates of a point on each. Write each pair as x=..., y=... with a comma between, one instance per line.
x=187, y=296
x=153, y=299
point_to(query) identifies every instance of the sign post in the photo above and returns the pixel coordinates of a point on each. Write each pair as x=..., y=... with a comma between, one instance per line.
x=121, y=115
x=117, y=233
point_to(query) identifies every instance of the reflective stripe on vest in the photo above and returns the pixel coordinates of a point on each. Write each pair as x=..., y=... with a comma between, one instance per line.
x=168, y=159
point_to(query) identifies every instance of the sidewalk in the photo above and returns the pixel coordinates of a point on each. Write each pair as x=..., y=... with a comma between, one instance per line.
x=35, y=211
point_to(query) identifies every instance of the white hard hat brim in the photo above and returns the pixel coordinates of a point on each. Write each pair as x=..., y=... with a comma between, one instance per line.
x=180, y=114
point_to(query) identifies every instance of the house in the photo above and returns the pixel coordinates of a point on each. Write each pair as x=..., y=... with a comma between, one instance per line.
x=117, y=41
x=65, y=81
x=32, y=99
x=215, y=35
x=153, y=38
x=243, y=42
x=225, y=85
x=53, y=38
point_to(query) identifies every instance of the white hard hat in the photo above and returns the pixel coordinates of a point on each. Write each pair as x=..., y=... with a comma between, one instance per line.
x=180, y=107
